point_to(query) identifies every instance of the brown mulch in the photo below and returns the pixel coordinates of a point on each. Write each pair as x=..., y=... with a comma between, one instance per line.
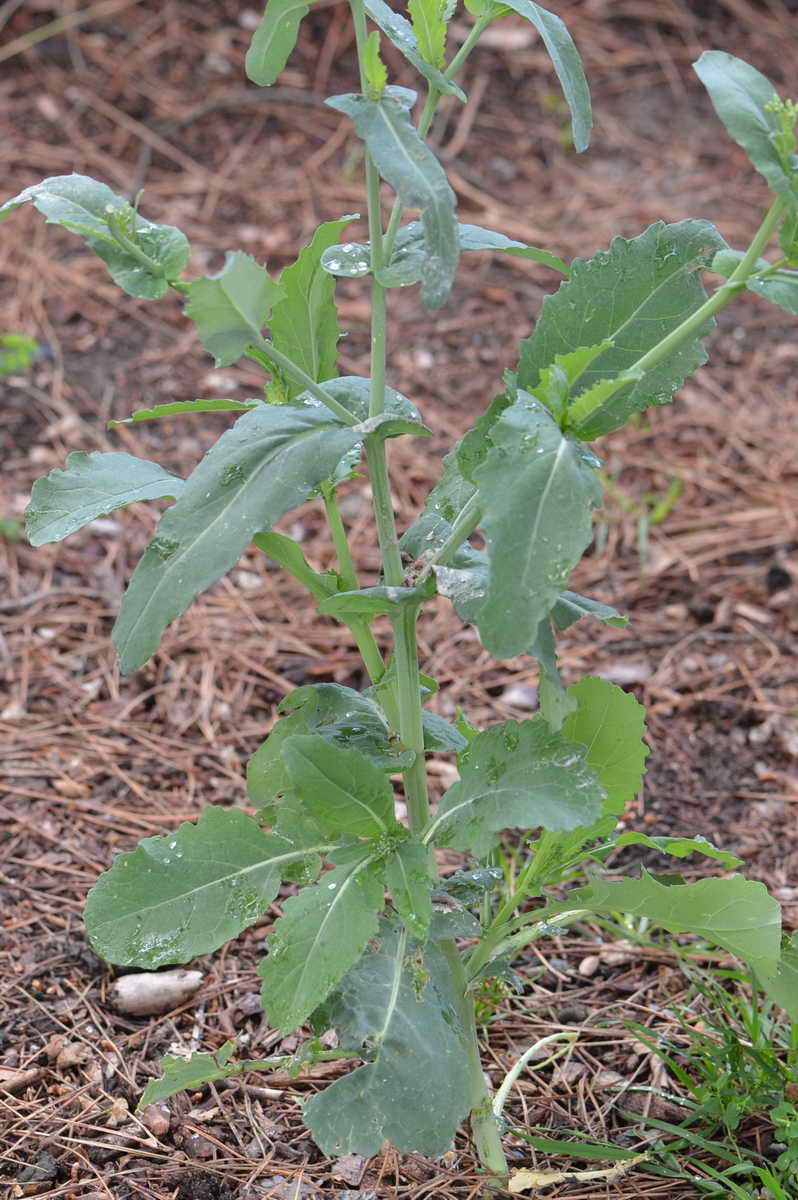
x=151, y=94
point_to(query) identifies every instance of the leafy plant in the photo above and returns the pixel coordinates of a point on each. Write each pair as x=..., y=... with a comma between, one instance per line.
x=16, y=353
x=388, y=974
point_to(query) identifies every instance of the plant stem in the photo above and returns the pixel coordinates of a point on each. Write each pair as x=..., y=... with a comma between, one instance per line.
x=428, y=114
x=465, y=523
x=411, y=729
x=346, y=568
x=484, y=1128
x=725, y=293
x=266, y=354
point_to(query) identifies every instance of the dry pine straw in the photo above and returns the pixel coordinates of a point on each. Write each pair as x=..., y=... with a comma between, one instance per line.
x=91, y=762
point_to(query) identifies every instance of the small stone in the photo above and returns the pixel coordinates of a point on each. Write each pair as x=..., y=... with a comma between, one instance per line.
x=605, y=1078
x=626, y=673
x=589, y=965
x=350, y=1168
x=142, y=995
x=156, y=1118
x=520, y=695
x=73, y=1054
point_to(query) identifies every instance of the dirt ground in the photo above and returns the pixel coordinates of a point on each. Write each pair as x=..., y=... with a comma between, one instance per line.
x=151, y=94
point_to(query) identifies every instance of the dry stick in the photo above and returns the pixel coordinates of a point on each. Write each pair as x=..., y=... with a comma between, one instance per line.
x=61, y=25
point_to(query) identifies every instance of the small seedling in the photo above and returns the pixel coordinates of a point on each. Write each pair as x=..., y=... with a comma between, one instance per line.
x=375, y=943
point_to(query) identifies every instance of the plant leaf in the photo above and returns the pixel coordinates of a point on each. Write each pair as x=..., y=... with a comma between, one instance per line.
x=780, y=287
x=571, y=607
x=782, y=988
x=408, y=879
x=610, y=723
x=91, y=485
x=474, y=237
x=260, y=469
x=399, y=31
x=647, y=286
x=374, y=68
x=566, y=62
x=91, y=210
x=416, y=176
x=343, y=716
x=531, y=468
x=735, y=913
x=285, y=551
x=343, y=790
x=180, y=408
x=440, y=736
x=372, y=602
x=322, y=933
x=416, y=1091
x=188, y=892
x=429, y=29
x=187, y=1074
x=679, y=847
x=304, y=320
x=274, y=39
x=516, y=774
x=739, y=95
x=231, y=307
x=554, y=701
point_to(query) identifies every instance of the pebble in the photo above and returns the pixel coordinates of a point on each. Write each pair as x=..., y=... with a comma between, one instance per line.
x=143, y=995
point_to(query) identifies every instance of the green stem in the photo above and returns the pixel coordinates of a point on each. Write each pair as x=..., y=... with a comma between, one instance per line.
x=267, y=354
x=484, y=1127
x=465, y=523
x=411, y=728
x=736, y=281
x=346, y=568
x=130, y=247
x=428, y=114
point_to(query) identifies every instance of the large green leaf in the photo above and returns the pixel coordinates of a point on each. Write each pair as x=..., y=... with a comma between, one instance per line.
x=399, y=31
x=304, y=321
x=782, y=987
x=679, y=847
x=143, y=257
x=342, y=789
x=265, y=465
x=741, y=95
x=188, y=892
x=735, y=913
x=274, y=39
x=231, y=307
x=567, y=64
x=91, y=485
x=537, y=490
x=516, y=774
x=343, y=716
x=322, y=933
x=416, y=176
x=611, y=724
x=407, y=874
x=416, y=1091
x=631, y=296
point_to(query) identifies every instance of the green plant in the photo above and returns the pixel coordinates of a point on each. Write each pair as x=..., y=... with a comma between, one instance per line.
x=16, y=353
x=388, y=974
x=736, y=1058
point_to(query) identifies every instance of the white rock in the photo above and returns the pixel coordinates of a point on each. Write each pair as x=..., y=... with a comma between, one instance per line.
x=154, y=992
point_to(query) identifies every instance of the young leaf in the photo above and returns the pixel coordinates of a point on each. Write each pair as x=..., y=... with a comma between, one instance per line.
x=304, y=320
x=322, y=933
x=341, y=715
x=429, y=27
x=142, y=257
x=188, y=892
x=654, y=285
x=742, y=97
x=735, y=913
x=180, y=408
x=554, y=701
x=416, y=1091
x=610, y=723
x=408, y=879
x=343, y=791
x=288, y=554
x=571, y=607
x=91, y=485
x=531, y=468
x=416, y=176
x=440, y=736
x=779, y=287
x=399, y=30
x=679, y=847
x=17, y=352
x=516, y=774
x=566, y=62
x=231, y=307
x=187, y=1074
x=274, y=39
x=782, y=988
x=372, y=602
x=373, y=66
x=474, y=237
x=265, y=465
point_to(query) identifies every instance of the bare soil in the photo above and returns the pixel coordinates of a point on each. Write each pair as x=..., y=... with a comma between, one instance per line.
x=151, y=95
